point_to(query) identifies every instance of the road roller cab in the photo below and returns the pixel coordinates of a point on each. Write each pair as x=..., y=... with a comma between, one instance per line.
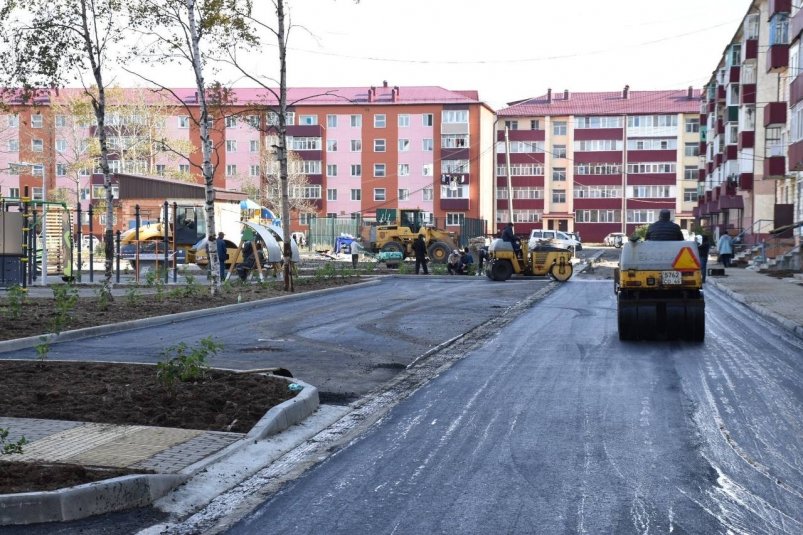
x=659, y=291
x=540, y=261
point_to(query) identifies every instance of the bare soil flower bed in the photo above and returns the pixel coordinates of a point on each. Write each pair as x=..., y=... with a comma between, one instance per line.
x=127, y=393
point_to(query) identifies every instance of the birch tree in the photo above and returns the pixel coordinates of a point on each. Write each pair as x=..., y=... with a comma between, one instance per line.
x=45, y=44
x=190, y=32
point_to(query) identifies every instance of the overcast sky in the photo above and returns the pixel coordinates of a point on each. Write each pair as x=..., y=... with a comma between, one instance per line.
x=505, y=49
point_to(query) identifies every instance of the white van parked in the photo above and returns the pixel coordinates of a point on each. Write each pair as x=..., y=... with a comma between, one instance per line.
x=557, y=237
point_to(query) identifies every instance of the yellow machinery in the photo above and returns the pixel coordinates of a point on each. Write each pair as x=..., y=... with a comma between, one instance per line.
x=536, y=260
x=399, y=238
x=659, y=291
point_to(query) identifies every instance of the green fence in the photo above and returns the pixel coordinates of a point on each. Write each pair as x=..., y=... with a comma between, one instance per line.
x=323, y=231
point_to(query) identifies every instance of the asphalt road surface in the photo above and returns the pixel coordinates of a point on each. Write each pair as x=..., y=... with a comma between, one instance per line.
x=555, y=426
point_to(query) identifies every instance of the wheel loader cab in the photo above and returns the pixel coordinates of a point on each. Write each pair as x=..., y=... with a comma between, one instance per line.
x=659, y=291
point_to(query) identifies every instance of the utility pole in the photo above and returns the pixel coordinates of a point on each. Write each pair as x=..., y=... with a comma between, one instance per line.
x=507, y=172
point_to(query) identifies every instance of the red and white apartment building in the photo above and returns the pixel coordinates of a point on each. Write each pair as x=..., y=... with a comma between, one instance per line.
x=366, y=152
x=598, y=162
x=752, y=128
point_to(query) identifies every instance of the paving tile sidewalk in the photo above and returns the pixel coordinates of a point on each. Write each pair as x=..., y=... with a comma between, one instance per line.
x=780, y=300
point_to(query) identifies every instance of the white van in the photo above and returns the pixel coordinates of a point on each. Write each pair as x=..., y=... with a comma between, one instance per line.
x=557, y=237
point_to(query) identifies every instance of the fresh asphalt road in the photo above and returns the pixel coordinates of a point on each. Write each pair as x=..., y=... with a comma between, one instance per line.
x=345, y=342
x=555, y=426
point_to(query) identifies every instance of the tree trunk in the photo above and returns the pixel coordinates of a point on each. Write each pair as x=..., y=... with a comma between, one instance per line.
x=282, y=149
x=206, y=146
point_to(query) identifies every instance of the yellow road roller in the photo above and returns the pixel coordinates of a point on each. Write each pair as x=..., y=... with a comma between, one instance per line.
x=659, y=291
x=535, y=260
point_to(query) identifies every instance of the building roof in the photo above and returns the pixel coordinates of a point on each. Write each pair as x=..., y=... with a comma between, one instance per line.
x=606, y=103
x=299, y=96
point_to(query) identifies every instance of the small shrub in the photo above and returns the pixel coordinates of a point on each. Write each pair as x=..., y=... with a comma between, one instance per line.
x=17, y=297
x=6, y=447
x=182, y=363
x=132, y=296
x=65, y=298
x=42, y=349
x=103, y=297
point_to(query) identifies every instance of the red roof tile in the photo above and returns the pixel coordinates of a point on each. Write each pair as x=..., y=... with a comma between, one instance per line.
x=606, y=103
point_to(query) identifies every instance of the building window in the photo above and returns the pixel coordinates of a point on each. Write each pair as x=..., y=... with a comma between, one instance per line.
x=13, y=145
x=651, y=192
x=379, y=169
x=512, y=125
x=331, y=121
x=356, y=169
x=331, y=169
x=306, y=192
x=454, y=191
x=404, y=169
x=183, y=168
x=558, y=173
x=454, y=117
x=454, y=141
x=331, y=194
x=427, y=194
x=14, y=193
x=427, y=169
x=61, y=145
x=61, y=169
x=305, y=143
x=652, y=144
x=355, y=120
x=692, y=126
x=356, y=194
x=598, y=192
x=455, y=166
x=689, y=194
x=404, y=194
x=380, y=120
x=598, y=216
x=559, y=128
x=427, y=119
x=427, y=145
x=642, y=216
x=604, y=121
x=37, y=120
x=692, y=149
x=37, y=145
x=61, y=121
x=356, y=145
x=535, y=124
x=183, y=121
x=379, y=145
x=253, y=170
x=304, y=218
x=404, y=145
x=231, y=169
x=253, y=145
x=231, y=145
x=160, y=169
x=331, y=145
x=651, y=168
x=253, y=121
x=455, y=219
x=231, y=121
x=273, y=118
x=404, y=121
x=691, y=172
x=13, y=122
x=559, y=195
x=379, y=194
x=307, y=119
x=559, y=151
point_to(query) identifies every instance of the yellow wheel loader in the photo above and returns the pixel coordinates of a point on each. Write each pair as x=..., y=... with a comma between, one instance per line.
x=659, y=291
x=399, y=238
x=535, y=259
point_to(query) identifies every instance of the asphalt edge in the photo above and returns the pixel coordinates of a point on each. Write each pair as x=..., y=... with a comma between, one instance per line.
x=140, y=490
x=7, y=346
x=789, y=325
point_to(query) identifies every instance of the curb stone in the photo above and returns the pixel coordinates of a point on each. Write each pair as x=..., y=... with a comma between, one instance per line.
x=131, y=491
x=764, y=312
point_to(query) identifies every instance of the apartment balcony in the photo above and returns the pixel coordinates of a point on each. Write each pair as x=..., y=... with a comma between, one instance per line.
x=712, y=105
x=702, y=147
x=718, y=159
x=775, y=114
x=775, y=167
x=796, y=156
x=780, y=6
x=747, y=139
x=731, y=152
x=701, y=174
x=709, y=167
x=777, y=58
x=746, y=181
x=721, y=94
x=796, y=88
x=750, y=49
x=748, y=94
x=733, y=75
x=720, y=126
x=454, y=204
x=733, y=114
x=795, y=26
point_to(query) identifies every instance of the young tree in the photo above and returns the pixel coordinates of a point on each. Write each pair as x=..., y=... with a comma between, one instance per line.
x=44, y=43
x=190, y=31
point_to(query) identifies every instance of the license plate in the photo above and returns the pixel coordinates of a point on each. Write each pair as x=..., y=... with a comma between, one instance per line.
x=671, y=278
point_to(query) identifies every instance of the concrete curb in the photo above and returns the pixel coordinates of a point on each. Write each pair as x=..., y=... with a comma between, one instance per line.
x=131, y=491
x=111, y=328
x=764, y=312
